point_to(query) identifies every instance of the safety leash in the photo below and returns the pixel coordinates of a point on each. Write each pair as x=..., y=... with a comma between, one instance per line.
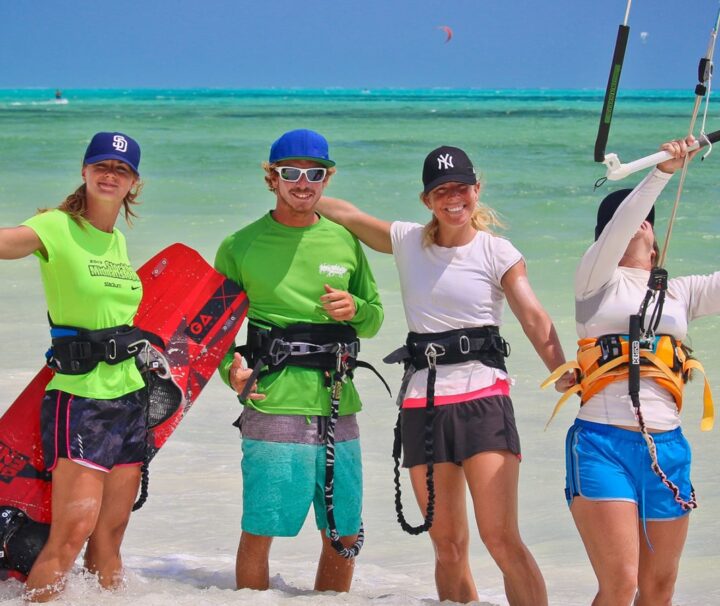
x=431, y=353
x=341, y=368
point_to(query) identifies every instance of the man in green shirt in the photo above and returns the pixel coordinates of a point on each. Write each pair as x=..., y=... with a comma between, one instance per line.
x=297, y=268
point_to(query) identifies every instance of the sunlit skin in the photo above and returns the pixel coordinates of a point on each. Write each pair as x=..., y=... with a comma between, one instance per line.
x=107, y=182
x=639, y=252
x=296, y=201
x=453, y=205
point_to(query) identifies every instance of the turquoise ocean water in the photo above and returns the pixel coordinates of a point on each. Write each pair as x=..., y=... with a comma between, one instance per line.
x=202, y=151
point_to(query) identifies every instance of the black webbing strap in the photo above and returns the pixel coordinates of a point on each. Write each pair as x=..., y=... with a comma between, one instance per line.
x=77, y=351
x=305, y=345
x=483, y=344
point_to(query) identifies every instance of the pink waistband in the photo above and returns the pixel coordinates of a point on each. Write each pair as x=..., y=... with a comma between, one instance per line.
x=500, y=388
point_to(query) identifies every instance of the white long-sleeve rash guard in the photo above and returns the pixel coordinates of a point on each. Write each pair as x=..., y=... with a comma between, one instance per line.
x=606, y=295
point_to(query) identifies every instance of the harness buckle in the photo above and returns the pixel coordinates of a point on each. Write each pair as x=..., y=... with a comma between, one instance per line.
x=278, y=351
x=111, y=349
x=464, y=344
x=432, y=352
x=138, y=346
x=353, y=349
x=501, y=345
x=610, y=347
x=341, y=355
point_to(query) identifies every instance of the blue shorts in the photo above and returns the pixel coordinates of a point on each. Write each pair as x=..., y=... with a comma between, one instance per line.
x=607, y=463
x=283, y=469
x=100, y=434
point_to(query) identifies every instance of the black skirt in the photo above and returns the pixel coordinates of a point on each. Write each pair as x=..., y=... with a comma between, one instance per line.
x=460, y=430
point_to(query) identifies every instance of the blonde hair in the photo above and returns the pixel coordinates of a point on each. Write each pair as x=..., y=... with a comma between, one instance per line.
x=269, y=168
x=483, y=218
x=75, y=204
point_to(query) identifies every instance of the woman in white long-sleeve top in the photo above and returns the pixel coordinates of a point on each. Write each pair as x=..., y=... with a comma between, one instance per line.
x=629, y=507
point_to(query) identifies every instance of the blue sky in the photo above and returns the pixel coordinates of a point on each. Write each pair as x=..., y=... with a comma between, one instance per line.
x=344, y=43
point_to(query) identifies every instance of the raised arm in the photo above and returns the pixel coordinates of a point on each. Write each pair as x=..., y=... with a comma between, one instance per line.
x=370, y=230
x=19, y=242
x=601, y=259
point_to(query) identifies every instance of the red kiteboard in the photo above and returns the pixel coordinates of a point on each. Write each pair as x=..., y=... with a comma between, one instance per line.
x=196, y=313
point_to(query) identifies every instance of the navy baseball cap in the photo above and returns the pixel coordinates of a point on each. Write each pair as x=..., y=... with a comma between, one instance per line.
x=301, y=144
x=113, y=146
x=609, y=205
x=446, y=165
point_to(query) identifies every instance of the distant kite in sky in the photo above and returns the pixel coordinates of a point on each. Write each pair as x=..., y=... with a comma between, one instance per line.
x=448, y=32
x=644, y=37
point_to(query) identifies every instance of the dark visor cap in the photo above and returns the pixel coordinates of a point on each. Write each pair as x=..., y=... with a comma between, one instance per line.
x=609, y=205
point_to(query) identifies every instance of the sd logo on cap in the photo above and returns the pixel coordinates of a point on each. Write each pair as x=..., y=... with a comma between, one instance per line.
x=113, y=146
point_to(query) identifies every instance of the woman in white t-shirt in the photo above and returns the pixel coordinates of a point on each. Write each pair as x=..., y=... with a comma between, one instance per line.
x=632, y=521
x=455, y=275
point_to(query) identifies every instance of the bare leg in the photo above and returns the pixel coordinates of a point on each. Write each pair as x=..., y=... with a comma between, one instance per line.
x=449, y=532
x=659, y=568
x=76, y=498
x=102, y=555
x=493, y=481
x=252, y=569
x=334, y=572
x=609, y=530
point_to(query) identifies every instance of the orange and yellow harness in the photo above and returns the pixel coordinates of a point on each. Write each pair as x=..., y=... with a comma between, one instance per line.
x=604, y=360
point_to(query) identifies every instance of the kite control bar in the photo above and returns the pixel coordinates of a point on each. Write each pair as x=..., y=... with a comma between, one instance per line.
x=617, y=170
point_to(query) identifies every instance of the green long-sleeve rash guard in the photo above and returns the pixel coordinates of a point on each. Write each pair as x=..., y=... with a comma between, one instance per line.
x=283, y=271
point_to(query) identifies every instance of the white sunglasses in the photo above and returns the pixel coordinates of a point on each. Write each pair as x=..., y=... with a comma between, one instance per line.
x=293, y=173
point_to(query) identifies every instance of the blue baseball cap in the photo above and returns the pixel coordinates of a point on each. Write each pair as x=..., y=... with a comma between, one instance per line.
x=301, y=144
x=113, y=146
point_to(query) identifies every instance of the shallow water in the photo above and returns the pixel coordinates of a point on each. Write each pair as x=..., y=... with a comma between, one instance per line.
x=201, y=162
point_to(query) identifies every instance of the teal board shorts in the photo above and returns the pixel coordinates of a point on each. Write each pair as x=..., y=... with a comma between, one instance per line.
x=283, y=470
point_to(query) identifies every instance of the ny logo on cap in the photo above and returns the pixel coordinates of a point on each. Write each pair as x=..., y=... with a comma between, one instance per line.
x=120, y=143
x=445, y=161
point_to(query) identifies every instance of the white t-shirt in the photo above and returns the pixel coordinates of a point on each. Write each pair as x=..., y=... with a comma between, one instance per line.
x=448, y=288
x=606, y=295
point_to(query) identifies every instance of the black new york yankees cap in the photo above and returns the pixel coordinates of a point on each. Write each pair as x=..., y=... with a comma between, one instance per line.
x=447, y=164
